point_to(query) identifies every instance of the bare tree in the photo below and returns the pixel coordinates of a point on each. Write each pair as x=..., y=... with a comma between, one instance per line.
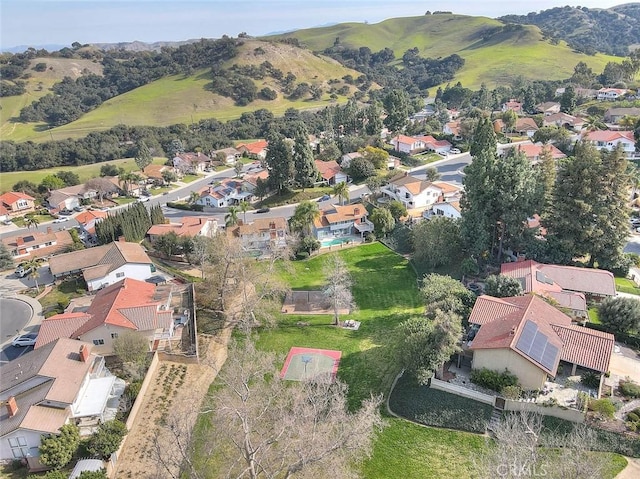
x=521, y=450
x=337, y=291
x=270, y=428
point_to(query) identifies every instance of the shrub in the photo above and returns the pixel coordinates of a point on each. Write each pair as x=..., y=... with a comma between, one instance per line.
x=590, y=379
x=57, y=451
x=492, y=379
x=603, y=407
x=301, y=255
x=633, y=417
x=629, y=389
x=106, y=440
x=511, y=392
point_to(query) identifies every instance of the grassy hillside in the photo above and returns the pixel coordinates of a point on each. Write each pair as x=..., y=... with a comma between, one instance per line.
x=185, y=99
x=85, y=172
x=492, y=60
x=38, y=85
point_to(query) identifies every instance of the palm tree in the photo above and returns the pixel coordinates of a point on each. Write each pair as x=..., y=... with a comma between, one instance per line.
x=432, y=174
x=33, y=265
x=125, y=179
x=193, y=197
x=31, y=221
x=231, y=218
x=244, y=207
x=341, y=190
x=593, y=123
x=304, y=215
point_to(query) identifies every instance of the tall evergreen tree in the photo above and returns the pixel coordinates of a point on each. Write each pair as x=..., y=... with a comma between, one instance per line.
x=143, y=155
x=580, y=201
x=279, y=162
x=479, y=191
x=396, y=103
x=305, y=168
x=546, y=172
x=373, y=119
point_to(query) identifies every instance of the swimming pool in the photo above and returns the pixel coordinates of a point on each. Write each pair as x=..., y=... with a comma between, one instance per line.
x=334, y=241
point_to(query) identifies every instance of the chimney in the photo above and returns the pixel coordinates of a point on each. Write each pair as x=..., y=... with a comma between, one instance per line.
x=84, y=353
x=49, y=230
x=272, y=225
x=12, y=406
x=356, y=211
x=122, y=239
x=19, y=240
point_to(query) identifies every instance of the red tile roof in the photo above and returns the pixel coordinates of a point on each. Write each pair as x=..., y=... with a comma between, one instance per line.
x=328, y=169
x=11, y=197
x=189, y=226
x=609, y=135
x=502, y=321
x=90, y=215
x=59, y=326
x=340, y=213
x=254, y=148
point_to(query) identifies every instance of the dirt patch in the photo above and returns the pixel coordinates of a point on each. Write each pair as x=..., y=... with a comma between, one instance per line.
x=177, y=391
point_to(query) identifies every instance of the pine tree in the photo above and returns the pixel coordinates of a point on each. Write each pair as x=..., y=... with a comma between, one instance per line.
x=305, y=168
x=396, y=103
x=546, y=170
x=373, y=118
x=143, y=155
x=478, y=198
x=279, y=163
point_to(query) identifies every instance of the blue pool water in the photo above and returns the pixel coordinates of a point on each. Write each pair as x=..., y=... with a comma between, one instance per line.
x=334, y=241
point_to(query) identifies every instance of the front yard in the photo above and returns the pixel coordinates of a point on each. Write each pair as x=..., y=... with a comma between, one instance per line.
x=625, y=285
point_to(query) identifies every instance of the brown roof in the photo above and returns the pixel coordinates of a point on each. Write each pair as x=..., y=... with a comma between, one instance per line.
x=59, y=326
x=98, y=261
x=257, y=226
x=502, y=322
x=62, y=239
x=586, y=347
x=340, y=213
x=328, y=169
x=11, y=197
x=189, y=226
x=46, y=419
x=414, y=185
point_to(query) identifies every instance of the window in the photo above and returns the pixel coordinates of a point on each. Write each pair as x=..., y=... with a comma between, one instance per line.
x=18, y=446
x=119, y=275
x=98, y=342
x=48, y=243
x=114, y=335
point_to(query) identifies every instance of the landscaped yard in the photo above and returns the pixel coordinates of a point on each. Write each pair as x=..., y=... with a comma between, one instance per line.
x=626, y=285
x=593, y=315
x=61, y=294
x=20, y=221
x=296, y=196
x=190, y=178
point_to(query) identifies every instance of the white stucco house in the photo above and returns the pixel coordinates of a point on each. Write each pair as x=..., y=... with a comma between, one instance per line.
x=104, y=265
x=411, y=191
x=62, y=382
x=446, y=209
x=609, y=140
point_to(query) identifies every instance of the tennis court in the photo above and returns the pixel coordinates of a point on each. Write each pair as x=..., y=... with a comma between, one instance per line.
x=307, y=363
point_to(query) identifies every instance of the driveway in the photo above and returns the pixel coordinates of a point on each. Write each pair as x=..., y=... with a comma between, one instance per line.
x=11, y=283
x=623, y=365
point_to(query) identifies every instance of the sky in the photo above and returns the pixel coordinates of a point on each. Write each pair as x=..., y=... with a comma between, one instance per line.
x=62, y=22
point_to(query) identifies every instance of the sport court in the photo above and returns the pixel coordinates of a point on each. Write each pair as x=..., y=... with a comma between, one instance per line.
x=303, y=364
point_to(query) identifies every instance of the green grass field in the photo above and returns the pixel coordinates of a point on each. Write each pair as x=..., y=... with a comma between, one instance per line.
x=85, y=172
x=625, y=285
x=494, y=61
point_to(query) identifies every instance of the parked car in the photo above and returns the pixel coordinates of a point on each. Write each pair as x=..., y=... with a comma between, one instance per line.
x=65, y=212
x=263, y=210
x=475, y=288
x=324, y=198
x=454, y=151
x=143, y=199
x=61, y=219
x=442, y=153
x=7, y=222
x=23, y=340
x=79, y=209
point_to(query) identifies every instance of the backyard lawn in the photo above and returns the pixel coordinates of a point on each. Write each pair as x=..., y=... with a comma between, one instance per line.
x=626, y=285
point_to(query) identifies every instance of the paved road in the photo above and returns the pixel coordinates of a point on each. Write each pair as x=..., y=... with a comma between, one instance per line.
x=14, y=315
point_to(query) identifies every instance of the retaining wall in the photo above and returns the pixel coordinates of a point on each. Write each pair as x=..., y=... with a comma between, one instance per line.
x=462, y=391
x=572, y=415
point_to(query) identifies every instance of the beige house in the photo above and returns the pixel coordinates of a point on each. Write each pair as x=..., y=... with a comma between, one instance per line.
x=530, y=338
x=17, y=204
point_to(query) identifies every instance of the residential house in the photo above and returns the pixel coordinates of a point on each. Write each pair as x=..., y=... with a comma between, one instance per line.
x=345, y=160
x=534, y=151
x=339, y=221
x=611, y=93
x=438, y=146
x=614, y=115
x=550, y=279
x=257, y=149
x=4, y=213
x=104, y=265
x=88, y=220
x=548, y=108
x=513, y=105
x=450, y=191
x=62, y=382
x=128, y=305
x=191, y=163
x=446, y=209
x=189, y=226
x=526, y=127
x=411, y=191
x=609, y=140
x=230, y=191
x=407, y=144
x=128, y=189
x=261, y=235
x=250, y=180
x=70, y=197
x=29, y=245
x=563, y=120
x=452, y=128
x=331, y=172
x=530, y=338
x=227, y=156
x=17, y=204
x=154, y=173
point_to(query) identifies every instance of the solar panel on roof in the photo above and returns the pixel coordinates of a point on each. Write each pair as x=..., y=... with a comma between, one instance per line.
x=536, y=345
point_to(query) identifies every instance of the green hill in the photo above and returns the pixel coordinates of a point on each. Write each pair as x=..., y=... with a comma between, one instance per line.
x=186, y=99
x=493, y=54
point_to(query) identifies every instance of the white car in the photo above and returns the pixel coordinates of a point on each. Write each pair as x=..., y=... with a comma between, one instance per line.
x=61, y=219
x=454, y=151
x=28, y=339
x=143, y=199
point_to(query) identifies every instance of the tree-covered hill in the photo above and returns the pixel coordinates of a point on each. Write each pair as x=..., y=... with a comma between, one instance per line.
x=610, y=31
